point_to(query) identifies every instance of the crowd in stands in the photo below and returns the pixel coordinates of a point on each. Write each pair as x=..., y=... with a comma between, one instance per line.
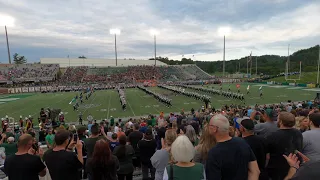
x=134, y=73
x=19, y=72
x=277, y=142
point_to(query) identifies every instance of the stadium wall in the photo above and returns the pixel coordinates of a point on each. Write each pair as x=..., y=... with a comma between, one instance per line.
x=66, y=62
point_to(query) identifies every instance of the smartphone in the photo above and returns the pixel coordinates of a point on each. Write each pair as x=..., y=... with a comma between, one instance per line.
x=35, y=146
x=75, y=137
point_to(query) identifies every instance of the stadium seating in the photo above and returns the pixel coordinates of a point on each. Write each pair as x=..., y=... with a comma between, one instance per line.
x=133, y=73
x=28, y=72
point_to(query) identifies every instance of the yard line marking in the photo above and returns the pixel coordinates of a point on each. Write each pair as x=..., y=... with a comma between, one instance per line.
x=109, y=105
x=131, y=108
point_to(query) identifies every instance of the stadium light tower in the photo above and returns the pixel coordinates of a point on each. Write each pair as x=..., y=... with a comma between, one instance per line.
x=5, y=21
x=154, y=33
x=224, y=31
x=115, y=32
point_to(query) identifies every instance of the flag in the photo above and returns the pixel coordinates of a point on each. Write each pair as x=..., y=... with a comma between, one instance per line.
x=260, y=88
x=72, y=101
x=248, y=88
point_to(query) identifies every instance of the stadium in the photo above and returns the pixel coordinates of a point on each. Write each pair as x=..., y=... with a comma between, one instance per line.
x=55, y=82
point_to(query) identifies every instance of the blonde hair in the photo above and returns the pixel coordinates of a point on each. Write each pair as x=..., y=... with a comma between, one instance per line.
x=299, y=121
x=206, y=143
x=170, y=137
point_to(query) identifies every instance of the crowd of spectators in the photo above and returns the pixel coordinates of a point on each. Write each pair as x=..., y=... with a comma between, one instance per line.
x=19, y=72
x=278, y=141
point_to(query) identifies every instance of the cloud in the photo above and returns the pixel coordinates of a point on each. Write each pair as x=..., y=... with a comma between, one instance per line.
x=190, y=27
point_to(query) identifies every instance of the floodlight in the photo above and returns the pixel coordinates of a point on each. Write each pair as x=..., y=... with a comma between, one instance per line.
x=115, y=31
x=6, y=20
x=224, y=31
x=154, y=32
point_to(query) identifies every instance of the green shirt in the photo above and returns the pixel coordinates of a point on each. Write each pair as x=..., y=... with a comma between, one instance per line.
x=10, y=149
x=195, y=172
x=112, y=121
x=153, y=121
x=50, y=138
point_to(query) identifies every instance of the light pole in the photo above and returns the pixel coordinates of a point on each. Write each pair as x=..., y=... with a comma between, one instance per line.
x=115, y=32
x=7, y=21
x=154, y=33
x=224, y=31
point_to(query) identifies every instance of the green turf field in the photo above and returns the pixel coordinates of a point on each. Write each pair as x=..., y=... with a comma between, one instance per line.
x=104, y=104
x=306, y=77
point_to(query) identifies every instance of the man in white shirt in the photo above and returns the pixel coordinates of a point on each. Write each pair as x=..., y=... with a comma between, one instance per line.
x=116, y=128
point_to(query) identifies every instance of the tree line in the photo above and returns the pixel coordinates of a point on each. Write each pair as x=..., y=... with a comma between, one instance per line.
x=267, y=64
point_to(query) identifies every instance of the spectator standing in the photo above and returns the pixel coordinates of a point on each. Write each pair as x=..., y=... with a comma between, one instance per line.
x=183, y=152
x=91, y=141
x=2, y=156
x=231, y=158
x=258, y=145
x=162, y=157
x=22, y=165
x=264, y=129
x=50, y=138
x=311, y=139
x=302, y=123
x=116, y=128
x=283, y=142
x=207, y=142
x=113, y=142
x=133, y=138
x=64, y=164
x=102, y=165
x=147, y=147
x=124, y=154
x=10, y=146
x=191, y=134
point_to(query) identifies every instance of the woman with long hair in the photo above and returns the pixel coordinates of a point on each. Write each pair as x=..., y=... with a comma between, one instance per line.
x=102, y=165
x=302, y=123
x=162, y=157
x=206, y=143
x=191, y=134
x=124, y=153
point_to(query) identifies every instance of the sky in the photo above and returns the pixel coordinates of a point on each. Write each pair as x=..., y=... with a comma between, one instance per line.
x=193, y=28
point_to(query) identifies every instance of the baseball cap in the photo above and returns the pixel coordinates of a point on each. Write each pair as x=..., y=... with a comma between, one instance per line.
x=246, y=122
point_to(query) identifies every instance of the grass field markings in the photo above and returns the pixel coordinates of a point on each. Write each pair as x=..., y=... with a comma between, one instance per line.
x=55, y=103
x=92, y=100
x=315, y=89
x=109, y=105
x=282, y=96
x=305, y=94
x=141, y=97
x=34, y=105
x=278, y=86
x=131, y=108
x=296, y=88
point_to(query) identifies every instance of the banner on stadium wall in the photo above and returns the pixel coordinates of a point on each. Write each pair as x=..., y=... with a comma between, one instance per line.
x=54, y=88
x=311, y=85
x=31, y=89
x=17, y=90
x=49, y=88
x=37, y=89
x=43, y=88
x=25, y=89
x=271, y=82
x=11, y=90
x=292, y=84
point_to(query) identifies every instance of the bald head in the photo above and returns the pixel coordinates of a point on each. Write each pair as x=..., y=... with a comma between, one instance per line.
x=221, y=122
x=25, y=140
x=287, y=119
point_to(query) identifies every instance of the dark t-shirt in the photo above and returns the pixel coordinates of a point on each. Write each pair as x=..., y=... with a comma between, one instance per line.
x=147, y=149
x=113, y=145
x=134, y=138
x=90, y=143
x=42, y=136
x=309, y=170
x=229, y=160
x=62, y=165
x=259, y=147
x=283, y=141
x=22, y=167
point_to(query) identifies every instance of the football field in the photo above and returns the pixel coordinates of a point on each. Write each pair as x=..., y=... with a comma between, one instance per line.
x=105, y=103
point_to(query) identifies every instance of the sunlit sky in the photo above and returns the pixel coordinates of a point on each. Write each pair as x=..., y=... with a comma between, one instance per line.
x=59, y=28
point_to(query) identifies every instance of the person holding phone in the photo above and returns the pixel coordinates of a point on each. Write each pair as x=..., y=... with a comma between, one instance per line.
x=62, y=161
